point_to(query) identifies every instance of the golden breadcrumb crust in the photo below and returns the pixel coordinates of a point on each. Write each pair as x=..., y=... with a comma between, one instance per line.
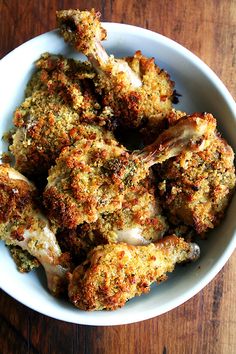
x=140, y=211
x=136, y=107
x=139, y=221
x=59, y=97
x=90, y=178
x=17, y=198
x=110, y=215
x=115, y=273
x=119, y=86
x=196, y=187
x=79, y=28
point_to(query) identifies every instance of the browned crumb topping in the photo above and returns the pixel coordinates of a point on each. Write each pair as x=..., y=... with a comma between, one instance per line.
x=24, y=261
x=113, y=274
x=59, y=97
x=196, y=187
x=140, y=214
x=90, y=178
x=148, y=104
x=80, y=28
x=100, y=197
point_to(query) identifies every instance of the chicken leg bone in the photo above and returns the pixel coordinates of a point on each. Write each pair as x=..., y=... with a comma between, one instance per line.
x=23, y=225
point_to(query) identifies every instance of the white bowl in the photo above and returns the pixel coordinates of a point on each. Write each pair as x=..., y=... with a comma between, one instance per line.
x=201, y=90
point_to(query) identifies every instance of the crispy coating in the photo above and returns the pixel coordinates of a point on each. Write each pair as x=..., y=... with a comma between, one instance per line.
x=147, y=105
x=113, y=274
x=93, y=176
x=138, y=222
x=135, y=87
x=81, y=28
x=16, y=199
x=90, y=178
x=17, y=196
x=23, y=259
x=59, y=97
x=23, y=225
x=196, y=187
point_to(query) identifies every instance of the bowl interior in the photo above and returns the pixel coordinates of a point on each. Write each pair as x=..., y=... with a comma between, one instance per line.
x=200, y=90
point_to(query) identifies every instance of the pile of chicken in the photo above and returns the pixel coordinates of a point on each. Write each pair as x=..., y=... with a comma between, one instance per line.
x=108, y=221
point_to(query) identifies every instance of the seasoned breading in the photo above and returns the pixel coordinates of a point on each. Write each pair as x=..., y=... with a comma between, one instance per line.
x=148, y=104
x=82, y=29
x=108, y=211
x=23, y=259
x=23, y=225
x=196, y=187
x=135, y=87
x=58, y=98
x=88, y=179
x=139, y=221
x=92, y=177
x=113, y=274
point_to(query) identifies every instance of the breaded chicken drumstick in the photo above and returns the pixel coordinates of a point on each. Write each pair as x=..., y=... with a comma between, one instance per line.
x=196, y=187
x=93, y=176
x=59, y=98
x=135, y=88
x=23, y=225
x=113, y=274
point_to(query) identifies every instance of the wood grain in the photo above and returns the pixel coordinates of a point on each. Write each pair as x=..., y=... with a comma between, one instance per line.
x=207, y=322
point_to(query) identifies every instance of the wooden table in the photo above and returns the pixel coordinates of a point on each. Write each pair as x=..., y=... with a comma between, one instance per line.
x=205, y=324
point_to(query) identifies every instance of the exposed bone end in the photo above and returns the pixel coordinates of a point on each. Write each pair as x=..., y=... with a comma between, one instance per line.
x=81, y=28
x=194, y=252
x=190, y=133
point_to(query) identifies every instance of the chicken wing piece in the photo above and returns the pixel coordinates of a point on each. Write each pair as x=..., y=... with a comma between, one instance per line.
x=59, y=97
x=115, y=273
x=23, y=225
x=135, y=87
x=92, y=177
x=196, y=187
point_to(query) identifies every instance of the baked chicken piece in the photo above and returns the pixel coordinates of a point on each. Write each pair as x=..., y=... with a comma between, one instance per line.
x=139, y=222
x=135, y=88
x=23, y=225
x=113, y=274
x=93, y=176
x=195, y=187
x=59, y=97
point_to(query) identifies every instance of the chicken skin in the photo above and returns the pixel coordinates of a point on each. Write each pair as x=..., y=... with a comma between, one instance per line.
x=93, y=176
x=59, y=97
x=135, y=88
x=23, y=225
x=195, y=187
x=113, y=274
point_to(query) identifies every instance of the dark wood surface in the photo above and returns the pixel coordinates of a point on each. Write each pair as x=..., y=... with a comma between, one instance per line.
x=207, y=322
